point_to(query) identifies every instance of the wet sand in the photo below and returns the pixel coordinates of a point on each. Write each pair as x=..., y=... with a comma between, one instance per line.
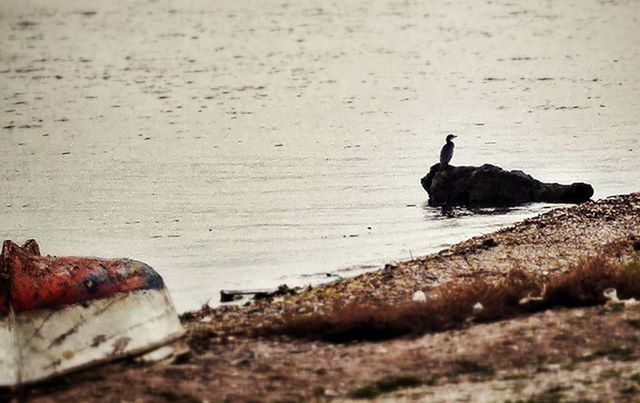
x=232, y=144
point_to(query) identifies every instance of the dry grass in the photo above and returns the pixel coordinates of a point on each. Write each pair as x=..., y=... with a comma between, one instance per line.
x=451, y=305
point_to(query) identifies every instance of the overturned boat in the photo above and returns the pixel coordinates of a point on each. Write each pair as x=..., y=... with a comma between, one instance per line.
x=59, y=314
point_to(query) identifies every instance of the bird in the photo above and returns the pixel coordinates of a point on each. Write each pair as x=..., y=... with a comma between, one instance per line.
x=447, y=151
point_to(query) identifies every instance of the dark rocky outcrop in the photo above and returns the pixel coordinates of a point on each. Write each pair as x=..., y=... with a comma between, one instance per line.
x=489, y=185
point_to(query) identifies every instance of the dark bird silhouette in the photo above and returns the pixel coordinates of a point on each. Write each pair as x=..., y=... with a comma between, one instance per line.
x=447, y=151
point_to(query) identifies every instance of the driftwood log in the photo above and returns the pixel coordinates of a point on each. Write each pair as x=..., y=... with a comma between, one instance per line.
x=491, y=186
x=262, y=293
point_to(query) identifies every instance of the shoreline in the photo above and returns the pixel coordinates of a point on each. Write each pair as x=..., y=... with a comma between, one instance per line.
x=479, y=256
x=517, y=358
x=355, y=269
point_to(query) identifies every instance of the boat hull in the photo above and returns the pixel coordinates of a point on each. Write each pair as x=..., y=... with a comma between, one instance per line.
x=60, y=314
x=45, y=343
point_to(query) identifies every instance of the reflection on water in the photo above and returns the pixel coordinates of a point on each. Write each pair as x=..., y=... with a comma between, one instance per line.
x=241, y=145
x=457, y=212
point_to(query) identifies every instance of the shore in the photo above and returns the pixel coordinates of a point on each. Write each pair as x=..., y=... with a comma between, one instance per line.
x=582, y=353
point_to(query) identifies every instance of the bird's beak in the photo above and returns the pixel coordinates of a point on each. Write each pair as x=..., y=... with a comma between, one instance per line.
x=454, y=136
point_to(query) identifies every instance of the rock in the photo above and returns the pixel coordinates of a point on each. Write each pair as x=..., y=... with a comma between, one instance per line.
x=492, y=186
x=488, y=244
x=419, y=296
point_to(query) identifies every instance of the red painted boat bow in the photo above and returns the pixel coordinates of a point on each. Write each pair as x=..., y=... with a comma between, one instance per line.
x=36, y=282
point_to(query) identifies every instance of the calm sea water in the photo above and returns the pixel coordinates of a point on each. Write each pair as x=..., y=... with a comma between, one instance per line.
x=243, y=144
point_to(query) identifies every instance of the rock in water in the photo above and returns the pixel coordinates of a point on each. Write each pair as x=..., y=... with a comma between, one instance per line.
x=489, y=186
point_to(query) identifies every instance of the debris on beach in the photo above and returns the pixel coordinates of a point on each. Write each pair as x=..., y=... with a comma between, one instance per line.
x=611, y=294
x=548, y=244
x=258, y=294
x=59, y=314
x=419, y=296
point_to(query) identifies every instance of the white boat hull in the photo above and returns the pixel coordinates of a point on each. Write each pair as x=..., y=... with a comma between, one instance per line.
x=39, y=344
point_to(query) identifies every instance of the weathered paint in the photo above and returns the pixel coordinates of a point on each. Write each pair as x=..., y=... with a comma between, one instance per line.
x=59, y=314
x=52, y=342
x=37, y=282
x=8, y=352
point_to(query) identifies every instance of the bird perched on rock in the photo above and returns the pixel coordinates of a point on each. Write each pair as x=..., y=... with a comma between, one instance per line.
x=447, y=151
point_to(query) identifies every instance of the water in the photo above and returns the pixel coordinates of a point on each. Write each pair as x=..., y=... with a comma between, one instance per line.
x=242, y=144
